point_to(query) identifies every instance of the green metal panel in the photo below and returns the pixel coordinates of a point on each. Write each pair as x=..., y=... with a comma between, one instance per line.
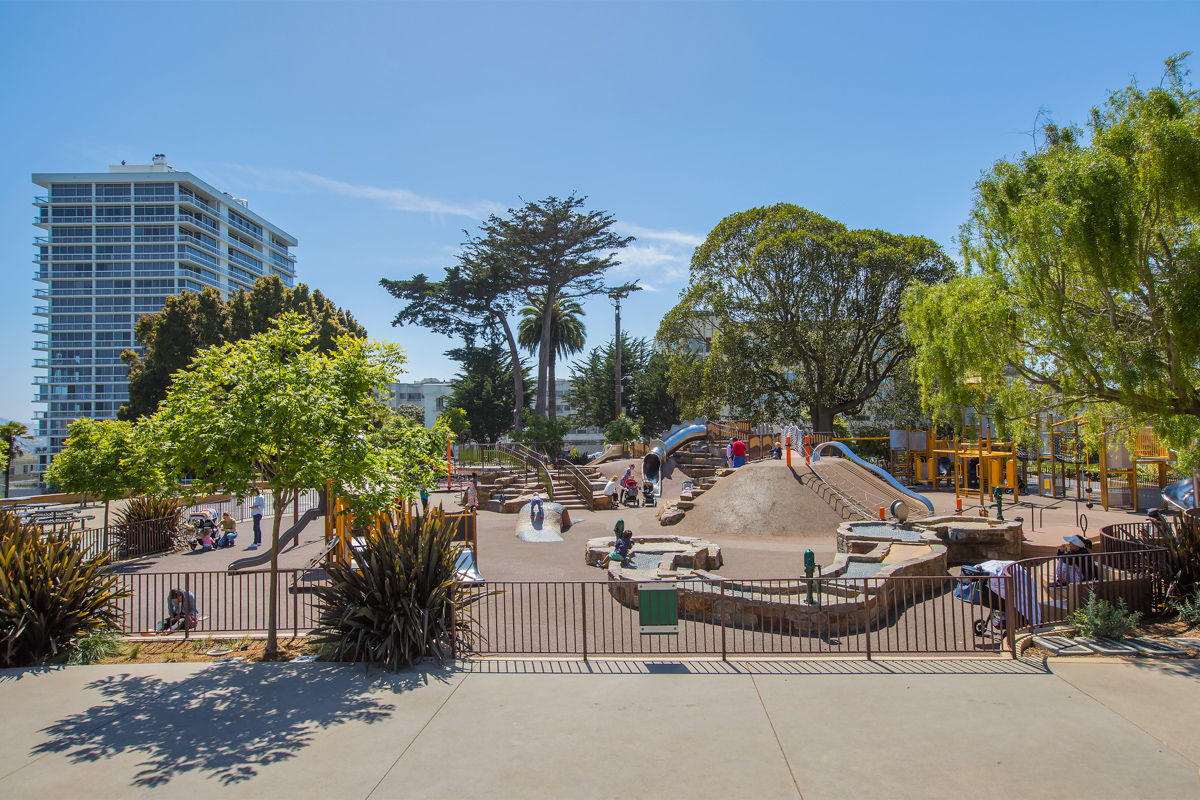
x=657, y=609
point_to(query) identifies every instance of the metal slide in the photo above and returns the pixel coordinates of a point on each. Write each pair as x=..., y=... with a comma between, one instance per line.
x=849, y=454
x=285, y=538
x=661, y=449
x=1181, y=494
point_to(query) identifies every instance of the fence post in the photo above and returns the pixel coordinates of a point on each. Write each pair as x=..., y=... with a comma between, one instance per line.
x=724, y=653
x=583, y=620
x=295, y=605
x=1010, y=617
x=867, y=616
x=187, y=605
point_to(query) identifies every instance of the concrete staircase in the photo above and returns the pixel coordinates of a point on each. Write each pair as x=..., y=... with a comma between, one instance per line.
x=514, y=483
x=701, y=462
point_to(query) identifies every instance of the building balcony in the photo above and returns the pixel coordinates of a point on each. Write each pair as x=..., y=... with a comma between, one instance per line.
x=212, y=248
x=86, y=397
x=198, y=203
x=41, y=346
x=246, y=229
x=213, y=230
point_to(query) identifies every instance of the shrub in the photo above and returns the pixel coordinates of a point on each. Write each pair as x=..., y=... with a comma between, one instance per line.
x=95, y=646
x=1182, y=541
x=393, y=604
x=1188, y=609
x=51, y=593
x=148, y=525
x=1100, y=618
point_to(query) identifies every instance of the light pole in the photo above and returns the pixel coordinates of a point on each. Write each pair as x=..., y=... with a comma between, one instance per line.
x=617, y=294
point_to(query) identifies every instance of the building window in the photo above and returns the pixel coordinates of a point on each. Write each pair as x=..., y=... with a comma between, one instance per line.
x=63, y=190
x=112, y=214
x=154, y=190
x=153, y=213
x=243, y=224
x=69, y=213
x=112, y=190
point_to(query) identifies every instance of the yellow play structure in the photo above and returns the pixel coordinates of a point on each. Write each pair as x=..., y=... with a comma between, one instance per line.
x=341, y=533
x=977, y=461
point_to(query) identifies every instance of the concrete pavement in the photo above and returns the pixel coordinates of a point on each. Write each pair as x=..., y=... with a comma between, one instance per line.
x=812, y=729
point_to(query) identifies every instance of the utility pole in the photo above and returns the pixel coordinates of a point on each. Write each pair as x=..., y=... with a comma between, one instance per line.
x=617, y=294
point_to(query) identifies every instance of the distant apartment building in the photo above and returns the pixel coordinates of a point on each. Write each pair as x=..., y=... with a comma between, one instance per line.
x=115, y=245
x=432, y=395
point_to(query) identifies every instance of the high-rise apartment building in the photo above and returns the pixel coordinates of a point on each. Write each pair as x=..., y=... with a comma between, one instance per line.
x=115, y=246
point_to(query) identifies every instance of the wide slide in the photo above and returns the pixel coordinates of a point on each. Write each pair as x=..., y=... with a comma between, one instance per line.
x=874, y=470
x=661, y=449
x=1181, y=494
x=285, y=538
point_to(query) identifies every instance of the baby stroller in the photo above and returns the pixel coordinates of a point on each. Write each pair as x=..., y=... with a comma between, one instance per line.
x=629, y=493
x=975, y=587
x=648, y=494
x=198, y=522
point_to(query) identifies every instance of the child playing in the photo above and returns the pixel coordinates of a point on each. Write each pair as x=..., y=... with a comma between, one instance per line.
x=624, y=545
x=535, y=506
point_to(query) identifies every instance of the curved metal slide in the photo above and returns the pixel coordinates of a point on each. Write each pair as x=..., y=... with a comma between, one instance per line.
x=1181, y=494
x=285, y=538
x=661, y=449
x=881, y=474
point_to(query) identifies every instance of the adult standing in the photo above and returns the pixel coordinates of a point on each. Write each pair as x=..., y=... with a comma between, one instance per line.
x=738, y=449
x=258, y=507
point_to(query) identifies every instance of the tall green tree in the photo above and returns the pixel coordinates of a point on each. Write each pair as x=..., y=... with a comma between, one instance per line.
x=10, y=432
x=107, y=459
x=472, y=301
x=652, y=399
x=483, y=389
x=567, y=336
x=1081, y=277
x=803, y=315
x=593, y=379
x=189, y=323
x=273, y=408
x=560, y=253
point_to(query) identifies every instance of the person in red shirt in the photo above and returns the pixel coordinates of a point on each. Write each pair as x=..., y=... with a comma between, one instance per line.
x=739, y=452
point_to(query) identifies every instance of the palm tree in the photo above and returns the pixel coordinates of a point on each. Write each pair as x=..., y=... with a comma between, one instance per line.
x=567, y=335
x=9, y=432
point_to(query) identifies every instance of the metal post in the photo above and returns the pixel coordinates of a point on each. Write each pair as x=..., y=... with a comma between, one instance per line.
x=187, y=604
x=295, y=605
x=1010, y=617
x=723, y=646
x=617, y=357
x=583, y=620
x=867, y=616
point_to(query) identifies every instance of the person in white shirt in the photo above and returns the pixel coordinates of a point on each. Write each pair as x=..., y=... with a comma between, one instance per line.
x=258, y=507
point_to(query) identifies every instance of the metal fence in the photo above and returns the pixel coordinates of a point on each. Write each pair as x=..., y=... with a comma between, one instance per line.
x=728, y=618
x=241, y=511
x=127, y=540
x=225, y=602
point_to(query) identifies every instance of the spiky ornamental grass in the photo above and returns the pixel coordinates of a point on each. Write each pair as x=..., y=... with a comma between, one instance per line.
x=51, y=592
x=149, y=525
x=396, y=602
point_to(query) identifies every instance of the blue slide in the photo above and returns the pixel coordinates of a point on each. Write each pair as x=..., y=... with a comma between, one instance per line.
x=661, y=449
x=1181, y=494
x=883, y=475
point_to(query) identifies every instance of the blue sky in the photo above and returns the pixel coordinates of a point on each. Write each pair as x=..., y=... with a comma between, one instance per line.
x=376, y=133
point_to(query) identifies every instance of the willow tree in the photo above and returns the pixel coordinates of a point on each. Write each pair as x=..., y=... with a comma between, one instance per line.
x=789, y=313
x=1081, y=277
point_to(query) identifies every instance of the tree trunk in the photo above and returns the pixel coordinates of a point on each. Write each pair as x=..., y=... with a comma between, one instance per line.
x=544, y=354
x=518, y=378
x=822, y=418
x=552, y=391
x=273, y=595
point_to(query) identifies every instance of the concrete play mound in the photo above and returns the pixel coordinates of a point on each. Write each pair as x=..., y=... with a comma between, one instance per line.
x=765, y=498
x=546, y=529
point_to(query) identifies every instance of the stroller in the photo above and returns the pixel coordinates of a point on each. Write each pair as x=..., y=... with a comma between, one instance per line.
x=629, y=493
x=974, y=587
x=648, y=494
x=198, y=522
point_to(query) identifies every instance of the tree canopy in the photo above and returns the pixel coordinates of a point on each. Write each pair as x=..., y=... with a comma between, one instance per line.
x=1081, y=277
x=567, y=335
x=483, y=389
x=9, y=433
x=801, y=315
x=189, y=322
x=107, y=459
x=594, y=377
x=273, y=408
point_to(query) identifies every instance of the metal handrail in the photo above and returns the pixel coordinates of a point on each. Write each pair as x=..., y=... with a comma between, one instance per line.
x=530, y=457
x=579, y=481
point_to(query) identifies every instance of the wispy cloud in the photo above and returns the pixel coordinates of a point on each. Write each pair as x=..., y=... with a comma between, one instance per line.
x=394, y=198
x=673, y=236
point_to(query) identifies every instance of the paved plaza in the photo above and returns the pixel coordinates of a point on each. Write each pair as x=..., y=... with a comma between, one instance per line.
x=526, y=729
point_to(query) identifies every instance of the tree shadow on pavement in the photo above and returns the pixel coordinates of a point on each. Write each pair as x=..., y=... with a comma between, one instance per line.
x=226, y=721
